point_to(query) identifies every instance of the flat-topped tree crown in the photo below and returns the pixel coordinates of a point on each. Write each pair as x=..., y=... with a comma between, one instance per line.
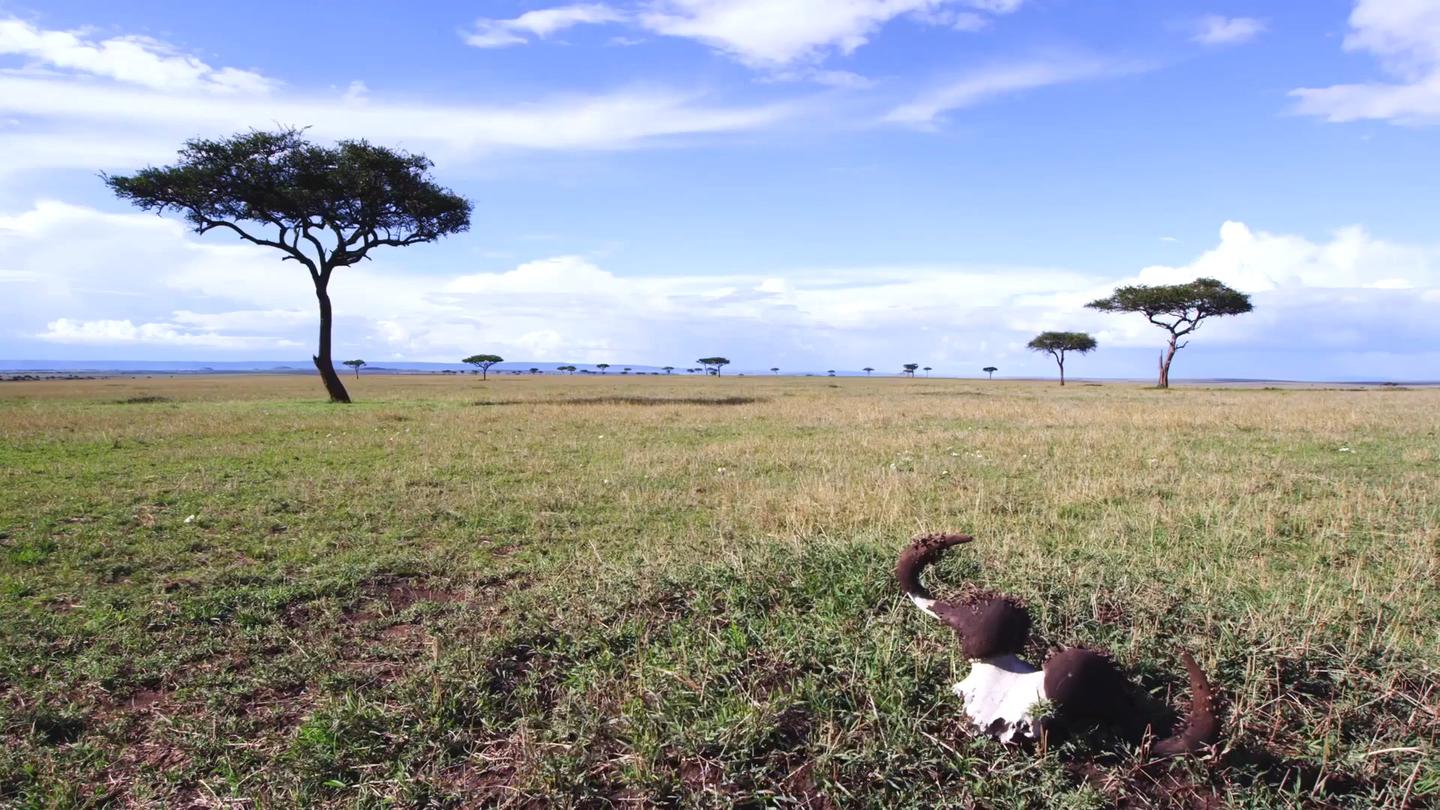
x=483, y=362
x=714, y=364
x=1057, y=344
x=321, y=206
x=1177, y=308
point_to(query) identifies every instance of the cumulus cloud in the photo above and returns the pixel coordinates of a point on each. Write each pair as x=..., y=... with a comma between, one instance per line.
x=100, y=284
x=1213, y=29
x=1404, y=37
x=128, y=59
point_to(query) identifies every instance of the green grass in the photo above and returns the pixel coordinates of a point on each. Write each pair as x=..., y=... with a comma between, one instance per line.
x=581, y=591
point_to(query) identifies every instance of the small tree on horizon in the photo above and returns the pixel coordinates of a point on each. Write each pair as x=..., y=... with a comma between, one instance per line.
x=667, y=369
x=566, y=369
x=325, y=207
x=1177, y=308
x=714, y=364
x=1056, y=344
x=927, y=371
x=357, y=365
x=602, y=367
x=483, y=362
x=910, y=368
x=775, y=371
x=867, y=370
x=990, y=370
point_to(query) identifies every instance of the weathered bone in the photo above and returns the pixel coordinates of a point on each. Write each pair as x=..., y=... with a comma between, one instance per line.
x=1003, y=694
x=1001, y=697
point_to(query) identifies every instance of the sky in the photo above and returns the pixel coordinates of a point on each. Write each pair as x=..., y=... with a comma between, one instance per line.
x=802, y=184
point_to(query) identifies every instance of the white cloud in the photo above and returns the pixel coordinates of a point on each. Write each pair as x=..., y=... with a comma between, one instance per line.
x=125, y=333
x=74, y=276
x=83, y=125
x=129, y=59
x=1213, y=29
x=491, y=33
x=1404, y=35
x=763, y=34
x=991, y=82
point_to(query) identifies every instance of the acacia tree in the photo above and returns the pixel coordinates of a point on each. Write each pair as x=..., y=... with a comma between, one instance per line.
x=1177, y=308
x=483, y=362
x=602, y=367
x=714, y=364
x=667, y=369
x=867, y=370
x=357, y=365
x=910, y=368
x=927, y=371
x=775, y=370
x=325, y=207
x=990, y=370
x=1056, y=344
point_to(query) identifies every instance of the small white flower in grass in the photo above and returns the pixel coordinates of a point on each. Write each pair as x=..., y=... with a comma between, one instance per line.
x=190, y=519
x=944, y=473
x=1346, y=450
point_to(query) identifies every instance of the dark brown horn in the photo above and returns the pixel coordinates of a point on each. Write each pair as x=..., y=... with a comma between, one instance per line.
x=1202, y=727
x=921, y=552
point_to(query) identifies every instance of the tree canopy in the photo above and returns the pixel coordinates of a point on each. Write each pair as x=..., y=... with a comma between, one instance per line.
x=483, y=362
x=1177, y=308
x=323, y=207
x=714, y=364
x=1057, y=344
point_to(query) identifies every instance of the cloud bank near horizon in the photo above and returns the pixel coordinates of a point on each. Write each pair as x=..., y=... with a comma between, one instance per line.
x=82, y=283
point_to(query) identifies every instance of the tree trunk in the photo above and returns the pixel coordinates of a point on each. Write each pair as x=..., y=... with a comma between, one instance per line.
x=323, y=363
x=1061, y=361
x=1165, y=360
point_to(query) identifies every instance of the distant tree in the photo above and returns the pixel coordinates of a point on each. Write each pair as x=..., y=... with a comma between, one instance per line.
x=927, y=371
x=668, y=369
x=1177, y=308
x=714, y=364
x=775, y=370
x=483, y=362
x=325, y=207
x=831, y=372
x=566, y=369
x=990, y=370
x=602, y=367
x=536, y=371
x=910, y=368
x=357, y=365
x=626, y=371
x=1056, y=344
x=867, y=370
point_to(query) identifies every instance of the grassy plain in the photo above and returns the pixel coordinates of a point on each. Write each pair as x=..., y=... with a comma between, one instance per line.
x=223, y=591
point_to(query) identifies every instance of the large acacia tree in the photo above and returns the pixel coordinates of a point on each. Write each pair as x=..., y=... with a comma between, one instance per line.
x=1057, y=344
x=324, y=207
x=714, y=364
x=1177, y=308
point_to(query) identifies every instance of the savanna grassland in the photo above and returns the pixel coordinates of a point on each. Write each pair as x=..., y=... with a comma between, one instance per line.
x=677, y=591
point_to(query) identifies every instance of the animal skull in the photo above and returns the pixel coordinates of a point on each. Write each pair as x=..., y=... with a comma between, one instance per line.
x=1010, y=700
x=1002, y=697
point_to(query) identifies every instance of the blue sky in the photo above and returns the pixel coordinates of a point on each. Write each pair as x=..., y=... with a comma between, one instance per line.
x=807, y=184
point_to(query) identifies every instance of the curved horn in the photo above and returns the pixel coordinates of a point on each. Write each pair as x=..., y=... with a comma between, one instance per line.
x=921, y=552
x=1202, y=726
